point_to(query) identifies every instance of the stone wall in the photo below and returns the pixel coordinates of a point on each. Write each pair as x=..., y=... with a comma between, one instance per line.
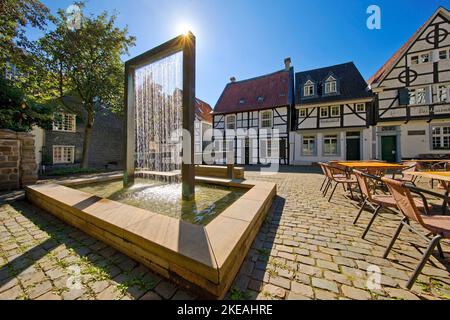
x=17, y=160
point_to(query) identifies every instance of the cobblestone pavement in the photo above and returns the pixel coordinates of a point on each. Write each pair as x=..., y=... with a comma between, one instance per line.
x=307, y=249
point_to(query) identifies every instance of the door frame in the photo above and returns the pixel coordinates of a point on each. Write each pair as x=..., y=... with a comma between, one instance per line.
x=389, y=131
x=361, y=144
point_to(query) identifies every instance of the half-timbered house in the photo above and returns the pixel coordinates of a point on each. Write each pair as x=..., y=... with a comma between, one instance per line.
x=253, y=117
x=413, y=98
x=333, y=114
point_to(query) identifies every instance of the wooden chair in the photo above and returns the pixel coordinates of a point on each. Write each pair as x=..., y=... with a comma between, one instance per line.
x=375, y=201
x=437, y=225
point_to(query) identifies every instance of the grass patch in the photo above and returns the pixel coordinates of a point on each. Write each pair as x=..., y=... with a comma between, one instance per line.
x=238, y=294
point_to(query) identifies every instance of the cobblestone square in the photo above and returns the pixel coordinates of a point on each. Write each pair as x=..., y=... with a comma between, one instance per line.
x=306, y=249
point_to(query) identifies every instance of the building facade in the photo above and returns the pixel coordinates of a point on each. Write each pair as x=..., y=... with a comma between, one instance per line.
x=333, y=115
x=413, y=98
x=252, y=119
x=202, y=128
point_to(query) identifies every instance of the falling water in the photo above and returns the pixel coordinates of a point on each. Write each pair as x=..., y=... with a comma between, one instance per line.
x=159, y=114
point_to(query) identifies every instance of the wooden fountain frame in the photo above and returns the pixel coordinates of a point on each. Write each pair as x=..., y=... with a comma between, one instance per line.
x=186, y=45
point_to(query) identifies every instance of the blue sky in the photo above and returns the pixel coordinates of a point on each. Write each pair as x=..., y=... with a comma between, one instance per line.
x=248, y=38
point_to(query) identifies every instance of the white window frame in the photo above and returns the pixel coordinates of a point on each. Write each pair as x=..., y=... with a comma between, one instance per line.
x=442, y=137
x=311, y=141
x=446, y=51
x=268, y=148
x=333, y=109
x=443, y=88
x=360, y=107
x=67, y=120
x=321, y=115
x=330, y=85
x=62, y=159
x=329, y=138
x=413, y=96
x=261, y=118
x=303, y=113
x=422, y=55
x=228, y=122
x=308, y=89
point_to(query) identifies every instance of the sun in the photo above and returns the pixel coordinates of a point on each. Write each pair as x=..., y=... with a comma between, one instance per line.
x=184, y=28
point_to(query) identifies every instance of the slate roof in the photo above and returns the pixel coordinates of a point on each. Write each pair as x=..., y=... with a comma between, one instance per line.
x=264, y=92
x=203, y=111
x=351, y=84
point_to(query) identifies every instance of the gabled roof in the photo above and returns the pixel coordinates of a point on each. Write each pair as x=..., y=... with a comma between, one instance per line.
x=351, y=84
x=203, y=111
x=387, y=67
x=267, y=91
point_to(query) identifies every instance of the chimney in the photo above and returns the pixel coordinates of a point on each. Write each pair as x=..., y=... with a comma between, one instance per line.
x=232, y=79
x=287, y=63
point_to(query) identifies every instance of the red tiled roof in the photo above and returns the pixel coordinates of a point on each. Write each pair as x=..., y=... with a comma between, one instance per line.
x=390, y=63
x=263, y=92
x=203, y=111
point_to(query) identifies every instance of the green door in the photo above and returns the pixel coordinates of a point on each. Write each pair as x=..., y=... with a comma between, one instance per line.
x=353, y=149
x=389, y=148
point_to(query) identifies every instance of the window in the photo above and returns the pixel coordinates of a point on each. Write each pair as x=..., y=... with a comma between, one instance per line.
x=441, y=137
x=330, y=145
x=324, y=112
x=417, y=96
x=442, y=93
x=360, y=107
x=231, y=122
x=303, y=113
x=308, y=89
x=266, y=119
x=424, y=58
x=335, y=111
x=241, y=101
x=330, y=85
x=63, y=154
x=260, y=99
x=269, y=148
x=415, y=60
x=443, y=54
x=64, y=122
x=308, y=145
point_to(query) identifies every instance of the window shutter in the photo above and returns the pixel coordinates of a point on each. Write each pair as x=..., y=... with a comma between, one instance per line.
x=403, y=96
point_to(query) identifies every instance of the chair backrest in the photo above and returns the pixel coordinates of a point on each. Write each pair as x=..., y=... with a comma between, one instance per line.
x=363, y=184
x=412, y=167
x=404, y=199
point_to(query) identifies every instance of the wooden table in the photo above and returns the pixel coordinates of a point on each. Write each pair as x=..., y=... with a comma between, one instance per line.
x=443, y=176
x=371, y=165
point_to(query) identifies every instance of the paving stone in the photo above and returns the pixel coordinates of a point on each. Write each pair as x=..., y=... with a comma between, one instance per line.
x=302, y=289
x=281, y=282
x=39, y=289
x=274, y=291
x=12, y=293
x=354, y=293
x=150, y=296
x=165, y=289
x=325, y=284
x=401, y=294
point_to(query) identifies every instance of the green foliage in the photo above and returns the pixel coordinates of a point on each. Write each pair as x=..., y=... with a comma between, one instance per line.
x=86, y=62
x=20, y=113
x=238, y=294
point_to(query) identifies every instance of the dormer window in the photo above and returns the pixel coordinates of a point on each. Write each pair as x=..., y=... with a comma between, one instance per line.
x=308, y=89
x=330, y=85
x=260, y=99
x=241, y=101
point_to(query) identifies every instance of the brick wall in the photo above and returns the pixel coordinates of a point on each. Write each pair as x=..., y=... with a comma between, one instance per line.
x=17, y=160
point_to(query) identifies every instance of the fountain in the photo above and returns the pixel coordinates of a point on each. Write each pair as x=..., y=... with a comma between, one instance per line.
x=160, y=101
x=196, y=233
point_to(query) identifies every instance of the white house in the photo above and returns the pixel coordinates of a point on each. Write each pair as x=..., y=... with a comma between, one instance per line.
x=412, y=89
x=333, y=115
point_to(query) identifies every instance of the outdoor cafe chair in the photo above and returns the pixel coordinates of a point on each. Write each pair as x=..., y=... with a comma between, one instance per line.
x=437, y=225
x=375, y=201
x=338, y=178
x=412, y=167
x=326, y=179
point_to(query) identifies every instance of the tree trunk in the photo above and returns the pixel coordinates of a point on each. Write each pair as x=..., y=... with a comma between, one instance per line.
x=87, y=137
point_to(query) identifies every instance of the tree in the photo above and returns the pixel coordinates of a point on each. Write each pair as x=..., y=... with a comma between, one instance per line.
x=19, y=113
x=15, y=15
x=86, y=62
